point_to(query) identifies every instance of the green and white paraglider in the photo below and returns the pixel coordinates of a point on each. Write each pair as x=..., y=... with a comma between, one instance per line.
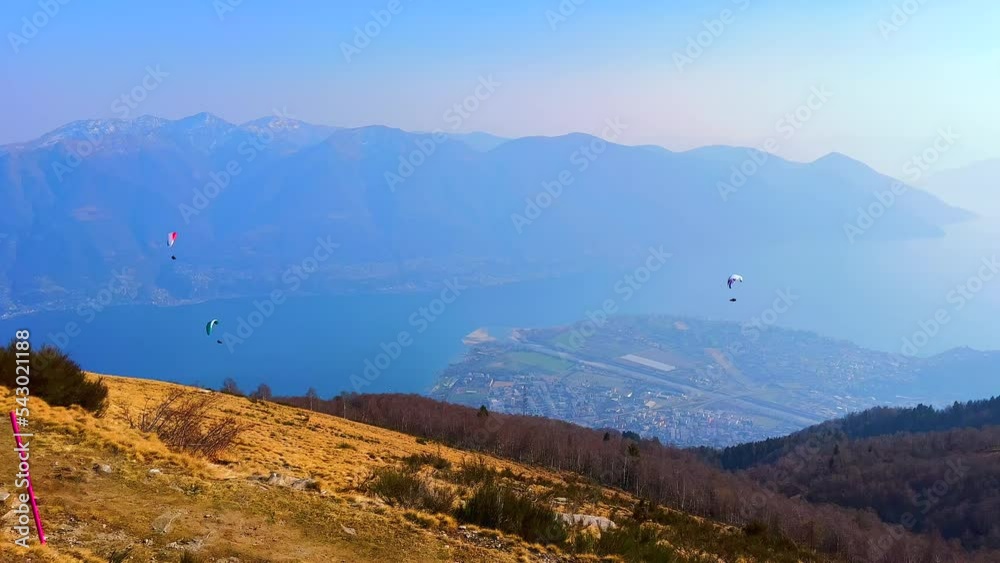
x=210, y=327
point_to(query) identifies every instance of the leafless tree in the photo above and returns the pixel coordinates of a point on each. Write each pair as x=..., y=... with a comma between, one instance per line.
x=183, y=421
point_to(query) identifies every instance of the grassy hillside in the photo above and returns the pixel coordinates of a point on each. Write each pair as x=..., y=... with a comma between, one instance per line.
x=221, y=512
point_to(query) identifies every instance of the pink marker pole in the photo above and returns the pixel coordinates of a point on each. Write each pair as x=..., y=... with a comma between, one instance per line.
x=31, y=490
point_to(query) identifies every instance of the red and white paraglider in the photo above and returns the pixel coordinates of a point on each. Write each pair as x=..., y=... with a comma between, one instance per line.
x=171, y=239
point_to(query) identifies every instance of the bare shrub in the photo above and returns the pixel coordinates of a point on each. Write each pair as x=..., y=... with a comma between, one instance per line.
x=230, y=387
x=182, y=420
x=262, y=393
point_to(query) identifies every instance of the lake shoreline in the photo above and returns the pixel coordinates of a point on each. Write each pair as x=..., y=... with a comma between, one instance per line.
x=409, y=288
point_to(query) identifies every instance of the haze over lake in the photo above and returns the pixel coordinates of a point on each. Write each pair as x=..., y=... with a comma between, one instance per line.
x=321, y=341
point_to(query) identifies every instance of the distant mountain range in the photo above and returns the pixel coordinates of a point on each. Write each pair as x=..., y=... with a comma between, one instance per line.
x=92, y=202
x=976, y=186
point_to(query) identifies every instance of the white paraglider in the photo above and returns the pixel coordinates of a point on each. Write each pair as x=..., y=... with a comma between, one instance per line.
x=733, y=279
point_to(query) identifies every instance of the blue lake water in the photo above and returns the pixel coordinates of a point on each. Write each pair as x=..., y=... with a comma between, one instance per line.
x=875, y=295
x=306, y=341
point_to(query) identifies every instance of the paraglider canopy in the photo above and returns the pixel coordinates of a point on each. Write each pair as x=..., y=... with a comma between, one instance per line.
x=733, y=279
x=211, y=326
x=171, y=238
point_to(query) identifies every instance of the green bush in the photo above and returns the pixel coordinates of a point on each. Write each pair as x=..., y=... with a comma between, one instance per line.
x=643, y=511
x=576, y=492
x=755, y=528
x=757, y=542
x=633, y=542
x=494, y=505
x=54, y=377
x=475, y=472
x=409, y=490
x=416, y=461
x=120, y=556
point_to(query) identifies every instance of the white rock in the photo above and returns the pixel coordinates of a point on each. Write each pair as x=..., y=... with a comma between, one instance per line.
x=586, y=521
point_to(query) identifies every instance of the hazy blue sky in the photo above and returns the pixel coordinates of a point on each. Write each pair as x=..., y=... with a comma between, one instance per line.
x=892, y=89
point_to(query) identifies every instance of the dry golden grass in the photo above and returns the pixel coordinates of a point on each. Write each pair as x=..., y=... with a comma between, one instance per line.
x=217, y=507
x=218, y=511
